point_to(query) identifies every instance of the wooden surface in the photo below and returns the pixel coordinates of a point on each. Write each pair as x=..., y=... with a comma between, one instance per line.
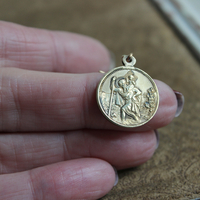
x=134, y=26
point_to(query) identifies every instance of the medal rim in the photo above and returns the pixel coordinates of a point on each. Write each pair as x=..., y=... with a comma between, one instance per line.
x=126, y=68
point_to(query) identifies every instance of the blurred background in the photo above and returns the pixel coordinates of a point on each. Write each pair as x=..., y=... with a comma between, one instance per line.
x=163, y=49
x=184, y=17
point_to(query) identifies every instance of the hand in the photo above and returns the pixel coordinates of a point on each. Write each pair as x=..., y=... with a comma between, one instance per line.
x=55, y=143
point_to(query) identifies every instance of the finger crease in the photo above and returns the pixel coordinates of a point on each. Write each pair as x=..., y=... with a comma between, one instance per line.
x=54, y=53
x=87, y=143
x=85, y=103
x=31, y=185
x=1, y=103
x=66, y=153
x=15, y=93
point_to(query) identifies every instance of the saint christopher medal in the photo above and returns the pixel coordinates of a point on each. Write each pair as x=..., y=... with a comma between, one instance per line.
x=128, y=96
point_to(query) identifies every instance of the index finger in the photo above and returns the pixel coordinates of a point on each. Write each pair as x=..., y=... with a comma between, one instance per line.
x=53, y=51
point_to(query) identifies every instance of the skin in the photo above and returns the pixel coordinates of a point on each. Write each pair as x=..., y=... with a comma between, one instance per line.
x=54, y=141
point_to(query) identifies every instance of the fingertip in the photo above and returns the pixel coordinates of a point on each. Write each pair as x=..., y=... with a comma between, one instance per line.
x=148, y=144
x=167, y=106
x=106, y=176
x=80, y=54
x=133, y=150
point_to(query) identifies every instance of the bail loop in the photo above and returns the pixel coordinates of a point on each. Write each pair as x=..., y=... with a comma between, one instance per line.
x=128, y=60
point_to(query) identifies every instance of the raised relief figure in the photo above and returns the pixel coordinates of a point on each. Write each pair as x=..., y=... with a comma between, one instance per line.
x=127, y=96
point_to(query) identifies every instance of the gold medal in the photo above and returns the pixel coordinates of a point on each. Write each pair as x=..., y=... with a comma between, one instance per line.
x=128, y=96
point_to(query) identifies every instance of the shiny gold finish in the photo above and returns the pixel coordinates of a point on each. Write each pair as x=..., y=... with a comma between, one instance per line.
x=128, y=96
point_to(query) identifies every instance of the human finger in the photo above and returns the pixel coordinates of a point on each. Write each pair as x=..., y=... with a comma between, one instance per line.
x=53, y=51
x=75, y=179
x=20, y=152
x=42, y=101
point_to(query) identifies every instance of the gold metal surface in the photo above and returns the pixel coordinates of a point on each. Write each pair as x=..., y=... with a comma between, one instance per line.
x=128, y=96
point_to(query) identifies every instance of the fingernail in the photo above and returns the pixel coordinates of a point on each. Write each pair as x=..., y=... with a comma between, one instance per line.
x=116, y=176
x=180, y=102
x=157, y=138
x=112, y=60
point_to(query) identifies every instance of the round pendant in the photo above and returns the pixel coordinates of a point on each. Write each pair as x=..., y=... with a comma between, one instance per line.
x=128, y=96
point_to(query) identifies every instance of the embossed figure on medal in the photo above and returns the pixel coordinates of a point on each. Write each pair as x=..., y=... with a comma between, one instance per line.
x=128, y=96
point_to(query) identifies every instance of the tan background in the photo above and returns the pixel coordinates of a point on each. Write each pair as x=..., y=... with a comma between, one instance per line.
x=135, y=26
